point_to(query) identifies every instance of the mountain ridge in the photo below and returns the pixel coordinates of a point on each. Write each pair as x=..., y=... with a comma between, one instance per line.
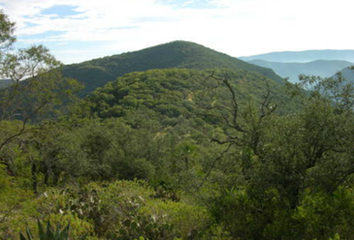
x=303, y=56
x=177, y=54
x=322, y=68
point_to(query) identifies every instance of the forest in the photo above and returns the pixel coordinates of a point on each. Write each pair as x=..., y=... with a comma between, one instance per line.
x=169, y=153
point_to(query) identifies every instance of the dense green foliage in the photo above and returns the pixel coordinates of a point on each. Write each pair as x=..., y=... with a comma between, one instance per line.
x=176, y=154
x=264, y=176
x=178, y=54
x=178, y=93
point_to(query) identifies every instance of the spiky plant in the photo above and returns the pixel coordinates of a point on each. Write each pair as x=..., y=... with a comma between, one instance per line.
x=48, y=234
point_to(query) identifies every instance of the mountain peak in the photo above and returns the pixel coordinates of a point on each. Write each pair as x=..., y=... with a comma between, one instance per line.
x=176, y=54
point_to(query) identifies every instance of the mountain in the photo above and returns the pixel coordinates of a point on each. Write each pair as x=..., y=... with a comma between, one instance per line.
x=304, y=56
x=179, y=54
x=322, y=68
x=347, y=73
x=4, y=83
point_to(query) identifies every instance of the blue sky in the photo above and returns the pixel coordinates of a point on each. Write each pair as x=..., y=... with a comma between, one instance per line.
x=79, y=30
x=61, y=11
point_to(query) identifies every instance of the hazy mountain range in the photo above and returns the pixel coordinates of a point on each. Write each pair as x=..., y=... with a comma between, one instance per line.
x=304, y=56
x=322, y=68
x=323, y=63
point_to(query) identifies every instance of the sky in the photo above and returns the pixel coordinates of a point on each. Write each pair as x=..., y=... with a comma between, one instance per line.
x=79, y=30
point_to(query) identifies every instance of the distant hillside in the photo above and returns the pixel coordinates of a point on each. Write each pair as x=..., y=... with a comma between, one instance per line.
x=5, y=83
x=348, y=74
x=179, y=54
x=322, y=68
x=304, y=56
x=175, y=94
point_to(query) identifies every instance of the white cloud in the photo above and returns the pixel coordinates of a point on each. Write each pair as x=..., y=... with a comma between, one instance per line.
x=237, y=27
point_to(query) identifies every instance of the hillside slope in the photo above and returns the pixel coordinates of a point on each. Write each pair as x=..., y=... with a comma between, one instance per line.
x=177, y=93
x=322, y=68
x=179, y=54
x=347, y=73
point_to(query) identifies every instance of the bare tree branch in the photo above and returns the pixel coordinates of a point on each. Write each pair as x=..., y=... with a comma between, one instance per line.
x=8, y=213
x=212, y=167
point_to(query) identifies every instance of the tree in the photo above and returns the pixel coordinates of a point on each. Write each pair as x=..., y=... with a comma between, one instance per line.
x=285, y=162
x=37, y=92
x=7, y=29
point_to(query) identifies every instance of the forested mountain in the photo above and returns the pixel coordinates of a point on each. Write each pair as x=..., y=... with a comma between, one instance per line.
x=322, y=68
x=178, y=54
x=304, y=56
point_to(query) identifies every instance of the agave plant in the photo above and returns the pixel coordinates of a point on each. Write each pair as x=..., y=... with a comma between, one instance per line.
x=48, y=234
